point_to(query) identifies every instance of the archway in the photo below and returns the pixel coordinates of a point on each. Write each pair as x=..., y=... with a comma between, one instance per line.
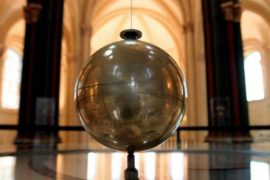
x=256, y=39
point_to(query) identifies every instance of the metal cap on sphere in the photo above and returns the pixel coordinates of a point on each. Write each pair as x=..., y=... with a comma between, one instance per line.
x=131, y=34
x=131, y=95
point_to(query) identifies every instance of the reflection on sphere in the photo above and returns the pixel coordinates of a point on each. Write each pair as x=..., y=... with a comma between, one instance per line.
x=130, y=96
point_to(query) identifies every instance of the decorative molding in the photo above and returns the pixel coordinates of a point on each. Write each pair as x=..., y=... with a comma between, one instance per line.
x=32, y=12
x=86, y=30
x=232, y=10
x=188, y=27
x=70, y=57
x=251, y=44
x=2, y=50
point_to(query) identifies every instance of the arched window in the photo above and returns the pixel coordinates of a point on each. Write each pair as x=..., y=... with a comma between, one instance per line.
x=254, y=76
x=11, y=79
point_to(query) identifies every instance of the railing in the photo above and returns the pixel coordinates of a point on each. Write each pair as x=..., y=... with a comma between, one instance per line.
x=181, y=128
x=178, y=137
x=42, y=128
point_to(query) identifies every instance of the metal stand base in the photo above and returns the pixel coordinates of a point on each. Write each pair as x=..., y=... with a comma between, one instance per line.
x=131, y=173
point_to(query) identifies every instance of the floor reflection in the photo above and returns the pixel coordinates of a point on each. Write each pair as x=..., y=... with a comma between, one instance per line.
x=151, y=165
x=259, y=170
x=205, y=162
x=176, y=171
x=7, y=165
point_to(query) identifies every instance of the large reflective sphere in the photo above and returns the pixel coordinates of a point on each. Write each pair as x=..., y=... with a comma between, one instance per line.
x=130, y=96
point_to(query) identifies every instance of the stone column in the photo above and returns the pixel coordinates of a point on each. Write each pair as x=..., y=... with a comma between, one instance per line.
x=41, y=71
x=227, y=104
x=86, y=33
x=188, y=31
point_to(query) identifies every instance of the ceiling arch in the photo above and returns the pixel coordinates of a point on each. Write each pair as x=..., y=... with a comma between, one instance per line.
x=263, y=11
x=15, y=36
x=165, y=14
x=170, y=25
x=172, y=10
x=254, y=26
x=9, y=17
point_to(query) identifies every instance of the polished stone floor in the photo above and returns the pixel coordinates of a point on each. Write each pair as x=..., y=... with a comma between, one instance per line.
x=170, y=161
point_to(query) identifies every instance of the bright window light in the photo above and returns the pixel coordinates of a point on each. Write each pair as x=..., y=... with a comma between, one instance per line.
x=91, y=165
x=116, y=165
x=254, y=76
x=137, y=161
x=177, y=166
x=12, y=68
x=7, y=167
x=259, y=170
x=150, y=163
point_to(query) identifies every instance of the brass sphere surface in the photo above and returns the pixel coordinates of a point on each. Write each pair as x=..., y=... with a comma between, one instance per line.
x=130, y=96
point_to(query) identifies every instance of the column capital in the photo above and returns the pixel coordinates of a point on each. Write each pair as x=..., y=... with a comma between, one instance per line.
x=32, y=12
x=232, y=10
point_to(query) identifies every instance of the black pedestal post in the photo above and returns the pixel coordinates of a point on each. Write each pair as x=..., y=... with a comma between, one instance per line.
x=131, y=173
